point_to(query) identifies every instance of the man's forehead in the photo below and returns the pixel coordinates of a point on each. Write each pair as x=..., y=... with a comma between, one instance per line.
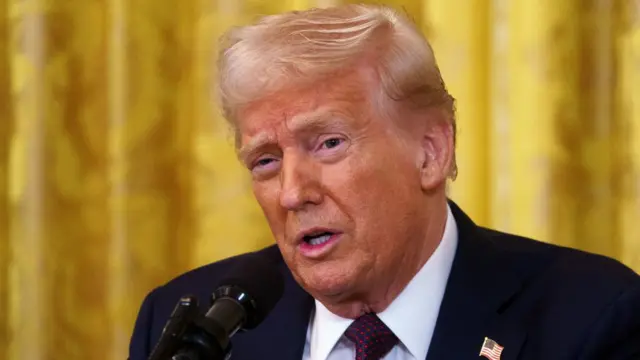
x=339, y=92
x=273, y=111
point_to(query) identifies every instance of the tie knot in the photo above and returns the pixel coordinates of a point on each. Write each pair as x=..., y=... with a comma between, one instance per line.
x=372, y=338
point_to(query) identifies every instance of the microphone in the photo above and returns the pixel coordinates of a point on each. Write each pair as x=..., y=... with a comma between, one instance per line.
x=240, y=303
x=185, y=312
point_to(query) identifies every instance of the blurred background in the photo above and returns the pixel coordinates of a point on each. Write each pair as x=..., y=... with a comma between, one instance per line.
x=117, y=172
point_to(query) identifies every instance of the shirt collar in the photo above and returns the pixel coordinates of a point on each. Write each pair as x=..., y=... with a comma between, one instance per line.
x=420, y=299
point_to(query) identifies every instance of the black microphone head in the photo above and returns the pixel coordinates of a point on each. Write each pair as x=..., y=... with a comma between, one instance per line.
x=256, y=283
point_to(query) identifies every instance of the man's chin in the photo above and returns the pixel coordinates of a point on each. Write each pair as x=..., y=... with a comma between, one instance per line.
x=326, y=283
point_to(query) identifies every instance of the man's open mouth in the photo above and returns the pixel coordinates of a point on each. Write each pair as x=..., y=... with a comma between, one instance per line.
x=318, y=237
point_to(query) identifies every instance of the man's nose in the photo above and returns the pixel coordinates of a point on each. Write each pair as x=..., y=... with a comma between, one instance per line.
x=300, y=186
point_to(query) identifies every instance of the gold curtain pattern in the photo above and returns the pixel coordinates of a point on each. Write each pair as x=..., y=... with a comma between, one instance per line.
x=117, y=172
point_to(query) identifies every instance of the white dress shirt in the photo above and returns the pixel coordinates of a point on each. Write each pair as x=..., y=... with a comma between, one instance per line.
x=411, y=316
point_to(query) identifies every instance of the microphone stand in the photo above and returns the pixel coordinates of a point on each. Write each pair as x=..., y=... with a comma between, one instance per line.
x=201, y=340
x=189, y=335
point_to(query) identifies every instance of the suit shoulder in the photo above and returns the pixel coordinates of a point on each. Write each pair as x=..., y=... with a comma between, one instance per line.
x=564, y=264
x=590, y=301
x=206, y=277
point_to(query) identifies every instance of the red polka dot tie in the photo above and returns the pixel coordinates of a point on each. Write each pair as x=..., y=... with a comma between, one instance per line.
x=372, y=338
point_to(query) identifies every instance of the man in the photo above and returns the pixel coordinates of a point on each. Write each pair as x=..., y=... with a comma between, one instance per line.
x=345, y=124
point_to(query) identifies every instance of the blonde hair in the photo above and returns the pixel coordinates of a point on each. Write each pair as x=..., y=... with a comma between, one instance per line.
x=301, y=47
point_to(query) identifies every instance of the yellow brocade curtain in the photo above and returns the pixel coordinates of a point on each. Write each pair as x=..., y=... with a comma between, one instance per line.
x=117, y=172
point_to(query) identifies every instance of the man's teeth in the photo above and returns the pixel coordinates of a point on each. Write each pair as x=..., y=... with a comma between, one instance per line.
x=319, y=240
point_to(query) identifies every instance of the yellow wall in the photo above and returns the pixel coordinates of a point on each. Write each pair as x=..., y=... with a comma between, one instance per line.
x=116, y=173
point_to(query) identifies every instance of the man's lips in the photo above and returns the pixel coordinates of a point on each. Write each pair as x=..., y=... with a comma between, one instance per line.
x=316, y=245
x=308, y=234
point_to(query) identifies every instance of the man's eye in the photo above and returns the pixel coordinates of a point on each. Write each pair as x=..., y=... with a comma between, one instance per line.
x=331, y=143
x=263, y=162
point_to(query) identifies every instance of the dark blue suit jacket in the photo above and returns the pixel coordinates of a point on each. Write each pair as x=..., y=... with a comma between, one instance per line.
x=537, y=300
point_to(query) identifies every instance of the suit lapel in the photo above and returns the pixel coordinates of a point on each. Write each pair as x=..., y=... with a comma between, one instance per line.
x=292, y=321
x=507, y=334
x=480, y=283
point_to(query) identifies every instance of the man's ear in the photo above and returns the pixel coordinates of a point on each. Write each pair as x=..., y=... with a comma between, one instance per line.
x=438, y=153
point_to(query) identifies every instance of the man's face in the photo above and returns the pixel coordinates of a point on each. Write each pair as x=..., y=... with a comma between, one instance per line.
x=340, y=187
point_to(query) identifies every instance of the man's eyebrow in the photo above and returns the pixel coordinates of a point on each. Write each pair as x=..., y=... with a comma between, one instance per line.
x=256, y=142
x=321, y=118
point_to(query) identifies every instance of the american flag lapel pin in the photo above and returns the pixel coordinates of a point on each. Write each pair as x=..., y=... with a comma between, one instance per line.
x=490, y=349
